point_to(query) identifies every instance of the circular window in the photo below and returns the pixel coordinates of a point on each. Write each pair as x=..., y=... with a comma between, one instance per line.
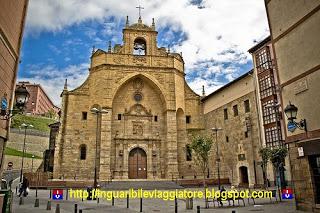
x=137, y=97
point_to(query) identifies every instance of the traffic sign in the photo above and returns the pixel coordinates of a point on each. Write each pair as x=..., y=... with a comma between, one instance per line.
x=57, y=194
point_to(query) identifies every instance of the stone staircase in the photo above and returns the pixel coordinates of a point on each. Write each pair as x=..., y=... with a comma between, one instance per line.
x=139, y=184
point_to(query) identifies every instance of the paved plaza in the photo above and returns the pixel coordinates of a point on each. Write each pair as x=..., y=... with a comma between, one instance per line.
x=149, y=205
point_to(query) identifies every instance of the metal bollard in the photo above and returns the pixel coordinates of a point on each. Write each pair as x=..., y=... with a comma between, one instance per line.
x=16, y=189
x=67, y=194
x=175, y=205
x=141, y=204
x=37, y=192
x=49, y=205
x=112, y=200
x=58, y=208
x=98, y=200
x=50, y=194
x=75, y=208
x=198, y=209
x=127, y=201
x=36, y=203
x=21, y=201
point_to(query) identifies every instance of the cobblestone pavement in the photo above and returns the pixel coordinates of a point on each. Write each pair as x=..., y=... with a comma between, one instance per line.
x=149, y=205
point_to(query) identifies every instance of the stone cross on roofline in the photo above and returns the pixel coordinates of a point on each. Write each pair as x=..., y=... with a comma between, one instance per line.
x=140, y=8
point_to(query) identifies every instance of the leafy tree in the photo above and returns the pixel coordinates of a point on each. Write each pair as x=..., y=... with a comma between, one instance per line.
x=277, y=156
x=50, y=114
x=265, y=156
x=201, y=146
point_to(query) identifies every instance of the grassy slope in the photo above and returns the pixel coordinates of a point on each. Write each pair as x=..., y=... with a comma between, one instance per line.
x=14, y=152
x=39, y=123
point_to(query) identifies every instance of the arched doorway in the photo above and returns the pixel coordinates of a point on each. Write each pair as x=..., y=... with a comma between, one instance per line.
x=243, y=171
x=137, y=164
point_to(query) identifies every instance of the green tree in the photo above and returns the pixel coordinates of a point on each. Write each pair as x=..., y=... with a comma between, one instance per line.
x=201, y=146
x=265, y=156
x=50, y=114
x=277, y=158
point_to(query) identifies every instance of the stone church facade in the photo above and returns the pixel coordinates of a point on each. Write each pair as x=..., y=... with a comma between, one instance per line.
x=149, y=117
x=149, y=110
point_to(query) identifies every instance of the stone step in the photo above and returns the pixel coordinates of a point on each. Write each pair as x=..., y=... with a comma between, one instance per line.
x=146, y=185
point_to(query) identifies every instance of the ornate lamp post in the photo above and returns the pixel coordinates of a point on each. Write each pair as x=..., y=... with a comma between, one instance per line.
x=32, y=163
x=97, y=112
x=21, y=98
x=215, y=130
x=25, y=126
x=291, y=112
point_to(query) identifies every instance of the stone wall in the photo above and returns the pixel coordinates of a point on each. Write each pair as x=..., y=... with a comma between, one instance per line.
x=36, y=142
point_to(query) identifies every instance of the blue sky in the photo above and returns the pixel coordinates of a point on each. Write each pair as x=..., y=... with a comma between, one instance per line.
x=212, y=35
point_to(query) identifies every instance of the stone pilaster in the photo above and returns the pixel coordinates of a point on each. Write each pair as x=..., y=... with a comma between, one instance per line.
x=105, y=150
x=172, y=155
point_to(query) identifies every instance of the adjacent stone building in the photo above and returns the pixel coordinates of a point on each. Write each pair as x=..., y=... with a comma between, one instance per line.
x=12, y=19
x=233, y=108
x=269, y=107
x=295, y=30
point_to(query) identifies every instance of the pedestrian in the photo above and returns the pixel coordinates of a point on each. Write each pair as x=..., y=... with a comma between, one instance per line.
x=24, y=187
x=220, y=198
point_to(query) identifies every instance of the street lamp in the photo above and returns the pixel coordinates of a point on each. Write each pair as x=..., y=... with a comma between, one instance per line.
x=22, y=95
x=25, y=126
x=97, y=112
x=21, y=98
x=215, y=130
x=32, y=163
x=291, y=112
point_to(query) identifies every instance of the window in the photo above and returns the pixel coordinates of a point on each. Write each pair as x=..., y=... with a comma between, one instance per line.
x=119, y=117
x=273, y=137
x=83, y=152
x=188, y=153
x=246, y=106
x=235, y=110
x=269, y=113
x=263, y=59
x=227, y=139
x=267, y=86
x=84, y=115
x=155, y=118
x=139, y=47
x=246, y=135
x=188, y=119
x=225, y=114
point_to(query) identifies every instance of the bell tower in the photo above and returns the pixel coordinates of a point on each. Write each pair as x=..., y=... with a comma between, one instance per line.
x=139, y=38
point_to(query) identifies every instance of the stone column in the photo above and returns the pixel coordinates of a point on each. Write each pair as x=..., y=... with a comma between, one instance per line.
x=172, y=147
x=125, y=168
x=149, y=161
x=105, y=151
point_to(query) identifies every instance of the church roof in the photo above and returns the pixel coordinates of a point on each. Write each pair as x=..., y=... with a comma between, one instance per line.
x=139, y=26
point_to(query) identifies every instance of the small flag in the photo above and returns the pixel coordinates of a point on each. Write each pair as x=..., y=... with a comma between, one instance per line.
x=57, y=194
x=287, y=194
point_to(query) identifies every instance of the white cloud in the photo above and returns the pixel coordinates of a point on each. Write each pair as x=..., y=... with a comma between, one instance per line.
x=52, y=78
x=222, y=31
